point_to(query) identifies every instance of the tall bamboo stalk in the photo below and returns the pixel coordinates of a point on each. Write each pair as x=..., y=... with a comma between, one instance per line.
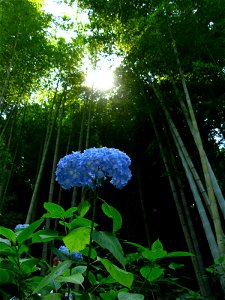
x=212, y=199
x=42, y=164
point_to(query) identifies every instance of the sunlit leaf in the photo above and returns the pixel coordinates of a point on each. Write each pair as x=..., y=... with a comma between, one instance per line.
x=77, y=239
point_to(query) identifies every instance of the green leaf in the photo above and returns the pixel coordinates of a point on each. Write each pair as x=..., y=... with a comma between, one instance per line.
x=7, y=250
x=111, y=295
x=157, y=246
x=151, y=274
x=140, y=247
x=81, y=222
x=77, y=239
x=79, y=269
x=83, y=208
x=123, y=277
x=8, y=233
x=153, y=255
x=5, y=241
x=175, y=266
x=113, y=213
x=179, y=253
x=45, y=235
x=4, y=276
x=85, y=252
x=108, y=241
x=54, y=211
x=69, y=212
x=75, y=278
x=52, y=296
x=56, y=272
x=28, y=265
x=129, y=296
x=91, y=278
x=89, y=296
x=27, y=232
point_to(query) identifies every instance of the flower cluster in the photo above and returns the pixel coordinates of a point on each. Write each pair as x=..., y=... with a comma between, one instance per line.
x=77, y=256
x=92, y=167
x=20, y=226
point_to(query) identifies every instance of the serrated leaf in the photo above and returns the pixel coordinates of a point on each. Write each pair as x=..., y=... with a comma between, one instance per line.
x=130, y=296
x=108, y=241
x=113, y=213
x=54, y=211
x=151, y=274
x=83, y=208
x=123, y=277
x=77, y=239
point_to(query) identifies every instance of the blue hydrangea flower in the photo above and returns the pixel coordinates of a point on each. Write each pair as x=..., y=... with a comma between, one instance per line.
x=77, y=256
x=20, y=227
x=64, y=250
x=92, y=167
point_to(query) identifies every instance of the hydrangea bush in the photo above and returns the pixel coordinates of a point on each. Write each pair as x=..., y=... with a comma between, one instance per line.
x=92, y=167
x=88, y=264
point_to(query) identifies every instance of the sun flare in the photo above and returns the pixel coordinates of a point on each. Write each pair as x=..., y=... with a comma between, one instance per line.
x=100, y=79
